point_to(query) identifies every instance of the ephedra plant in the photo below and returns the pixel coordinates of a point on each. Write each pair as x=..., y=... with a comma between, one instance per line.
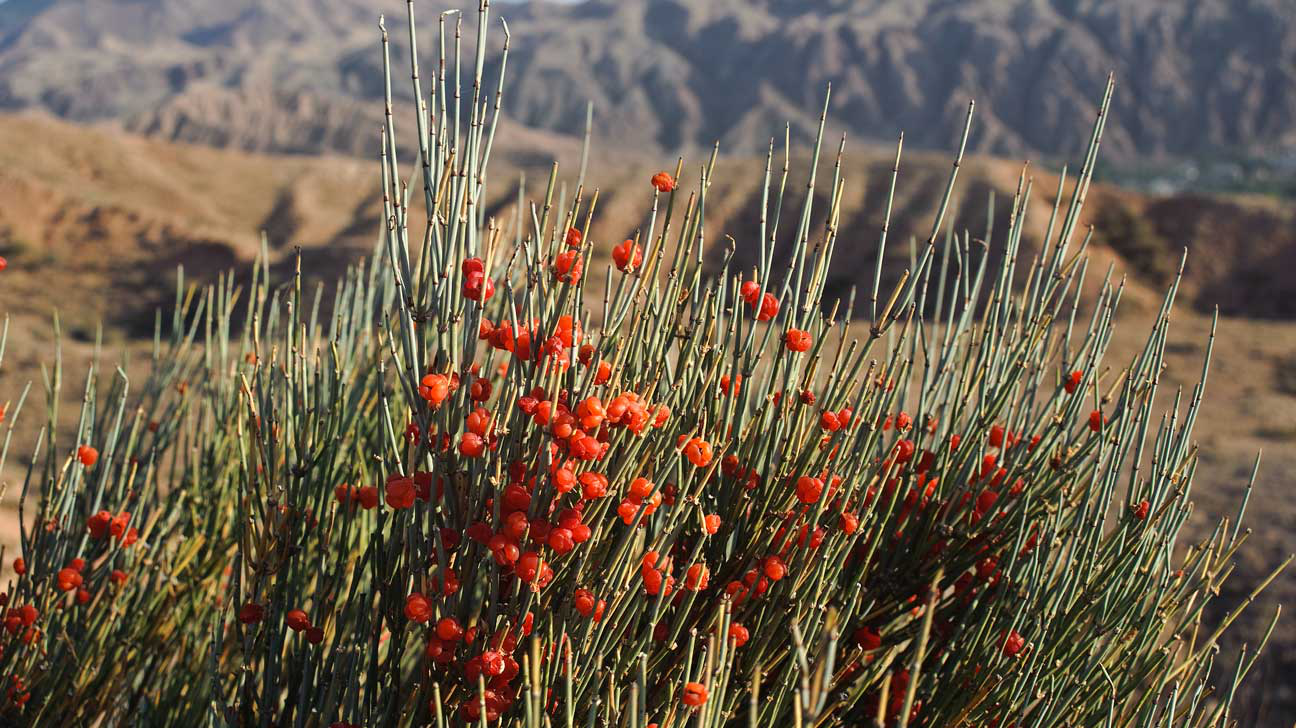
x=477, y=485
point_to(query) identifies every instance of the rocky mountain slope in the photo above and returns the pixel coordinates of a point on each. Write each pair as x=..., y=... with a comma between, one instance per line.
x=301, y=75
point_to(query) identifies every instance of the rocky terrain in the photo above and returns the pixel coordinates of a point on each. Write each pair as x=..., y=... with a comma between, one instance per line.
x=302, y=75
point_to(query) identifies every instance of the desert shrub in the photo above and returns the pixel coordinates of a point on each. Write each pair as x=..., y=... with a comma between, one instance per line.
x=474, y=486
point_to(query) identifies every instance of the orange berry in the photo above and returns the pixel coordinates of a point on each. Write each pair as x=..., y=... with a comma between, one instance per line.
x=797, y=340
x=697, y=577
x=774, y=568
x=809, y=489
x=640, y=488
x=567, y=266
x=627, y=256
x=68, y=579
x=695, y=694
x=711, y=524
x=738, y=634
x=434, y=388
x=698, y=452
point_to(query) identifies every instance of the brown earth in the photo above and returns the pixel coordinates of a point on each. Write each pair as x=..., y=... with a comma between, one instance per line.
x=93, y=223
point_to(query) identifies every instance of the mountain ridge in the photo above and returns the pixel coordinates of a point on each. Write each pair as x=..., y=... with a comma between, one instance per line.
x=301, y=76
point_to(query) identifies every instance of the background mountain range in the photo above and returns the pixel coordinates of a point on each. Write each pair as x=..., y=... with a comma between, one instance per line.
x=300, y=76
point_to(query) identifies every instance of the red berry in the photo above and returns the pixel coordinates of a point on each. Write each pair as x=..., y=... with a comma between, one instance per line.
x=448, y=629
x=809, y=489
x=640, y=488
x=417, y=608
x=68, y=579
x=584, y=601
x=297, y=620
x=593, y=485
x=868, y=638
x=471, y=445
x=774, y=568
x=587, y=605
x=797, y=340
x=434, y=388
x=477, y=286
x=368, y=497
x=986, y=501
x=251, y=613
x=1141, y=510
x=738, y=634
x=711, y=524
x=528, y=566
x=1013, y=643
x=400, y=493
x=997, y=436
x=849, y=523
x=564, y=480
x=627, y=256
x=561, y=541
x=117, y=527
x=694, y=695
x=567, y=266
x=697, y=577
x=698, y=452
x=1073, y=381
